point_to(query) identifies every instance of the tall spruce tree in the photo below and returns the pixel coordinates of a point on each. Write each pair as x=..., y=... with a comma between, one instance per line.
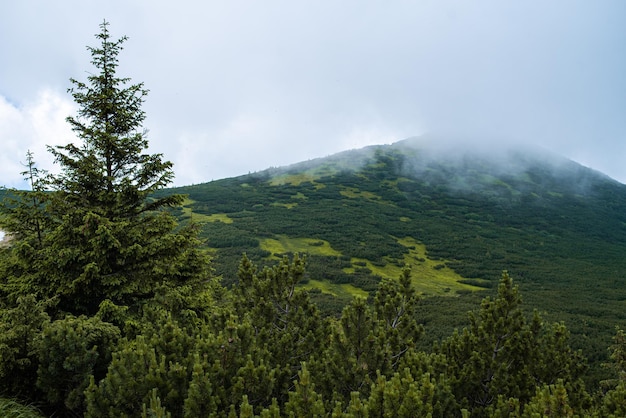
x=107, y=237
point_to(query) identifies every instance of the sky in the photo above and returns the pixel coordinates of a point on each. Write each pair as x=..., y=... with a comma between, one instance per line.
x=239, y=86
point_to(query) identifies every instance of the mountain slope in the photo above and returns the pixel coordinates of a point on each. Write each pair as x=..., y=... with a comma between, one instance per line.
x=459, y=217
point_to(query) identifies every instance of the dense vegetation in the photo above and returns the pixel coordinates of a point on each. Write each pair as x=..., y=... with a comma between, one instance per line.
x=560, y=228
x=109, y=306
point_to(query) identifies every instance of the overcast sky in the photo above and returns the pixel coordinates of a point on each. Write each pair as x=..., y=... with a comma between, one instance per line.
x=240, y=86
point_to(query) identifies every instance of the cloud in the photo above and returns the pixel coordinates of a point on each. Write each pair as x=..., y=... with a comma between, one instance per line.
x=32, y=126
x=240, y=86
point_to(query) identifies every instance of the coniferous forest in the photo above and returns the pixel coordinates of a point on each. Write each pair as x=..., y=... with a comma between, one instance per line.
x=122, y=298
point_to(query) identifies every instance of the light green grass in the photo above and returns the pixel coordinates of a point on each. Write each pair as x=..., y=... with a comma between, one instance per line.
x=305, y=176
x=284, y=244
x=294, y=179
x=297, y=196
x=216, y=217
x=12, y=409
x=430, y=277
x=338, y=290
x=201, y=218
x=285, y=205
x=354, y=193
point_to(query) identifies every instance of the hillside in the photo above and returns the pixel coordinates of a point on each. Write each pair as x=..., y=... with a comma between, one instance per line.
x=457, y=217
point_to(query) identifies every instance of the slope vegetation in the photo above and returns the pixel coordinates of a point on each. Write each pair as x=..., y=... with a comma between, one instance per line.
x=457, y=217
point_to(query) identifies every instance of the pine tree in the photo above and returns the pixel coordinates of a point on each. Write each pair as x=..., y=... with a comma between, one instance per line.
x=20, y=328
x=304, y=401
x=369, y=340
x=502, y=356
x=24, y=214
x=69, y=351
x=549, y=401
x=286, y=324
x=106, y=236
x=395, y=306
x=614, y=400
x=24, y=217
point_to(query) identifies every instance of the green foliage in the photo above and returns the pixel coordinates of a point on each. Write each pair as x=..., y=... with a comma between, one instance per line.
x=20, y=327
x=369, y=340
x=557, y=226
x=549, y=401
x=135, y=370
x=404, y=396
x=24, y=211
x=155, y=410
x=502, y=355
x=200, y=399
x=70, y=351
x=12, y=409
x=614, y=402
x=264, y=351
x=617, y=357
x=96, y=234
x=286, y=323
x=304, y=401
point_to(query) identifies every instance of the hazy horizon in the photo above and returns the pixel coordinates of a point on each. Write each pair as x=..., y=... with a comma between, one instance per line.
x=242, y=86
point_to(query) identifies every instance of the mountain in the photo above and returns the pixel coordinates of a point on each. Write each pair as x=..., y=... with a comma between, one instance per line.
x=459, y=216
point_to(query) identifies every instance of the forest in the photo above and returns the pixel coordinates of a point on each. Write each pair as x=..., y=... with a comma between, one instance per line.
x=115, y=300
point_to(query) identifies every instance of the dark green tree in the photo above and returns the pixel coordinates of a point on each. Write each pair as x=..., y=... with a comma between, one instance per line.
x=20, y=328
x=502, y=355
x=304, y=401
x=23, y=215
x=286, y=324
x=617, y=363
x=105, y=236
x=614, y=400
x=550, y=401
x=70, y=351
x=369, y=340
x=24, y=212
x=353, y=356
x=395, y=305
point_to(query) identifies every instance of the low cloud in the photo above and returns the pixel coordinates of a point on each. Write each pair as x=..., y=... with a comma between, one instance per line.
x=32, y=126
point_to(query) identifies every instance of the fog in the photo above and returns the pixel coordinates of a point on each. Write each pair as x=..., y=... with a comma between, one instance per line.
x=239, y=86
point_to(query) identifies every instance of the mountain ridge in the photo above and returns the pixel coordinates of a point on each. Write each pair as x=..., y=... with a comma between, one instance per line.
x=557, y=226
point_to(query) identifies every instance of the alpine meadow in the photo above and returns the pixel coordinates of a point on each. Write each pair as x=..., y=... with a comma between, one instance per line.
x=418, y=279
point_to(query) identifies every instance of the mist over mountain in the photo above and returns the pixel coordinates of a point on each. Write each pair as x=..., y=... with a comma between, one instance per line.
x=457, y=215
x=462, y=164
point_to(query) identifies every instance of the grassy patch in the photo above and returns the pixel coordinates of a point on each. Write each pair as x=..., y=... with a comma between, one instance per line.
x=343, y=291
x=216, y=217
x=285, y=205
x=201, y=218
x=354, y=193
x=430, y=277
x=294, y=179
x=284, y=244
x=306, y=176
x=11, y=408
